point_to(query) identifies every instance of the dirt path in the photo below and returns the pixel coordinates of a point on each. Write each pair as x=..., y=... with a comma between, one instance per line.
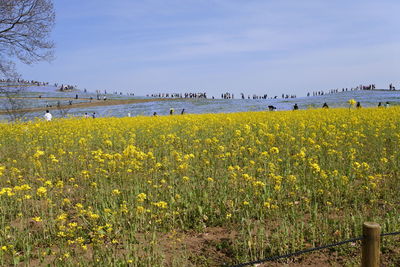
x=94, y=103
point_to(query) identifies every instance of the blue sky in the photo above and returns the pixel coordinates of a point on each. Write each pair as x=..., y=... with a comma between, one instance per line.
x=215, y=46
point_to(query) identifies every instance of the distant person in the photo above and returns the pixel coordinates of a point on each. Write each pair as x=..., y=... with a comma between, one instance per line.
x=380, y=105
x=155, y=114
x=171, y=111
x=48, y=116
x=76, y=96
x=183, y=111
x=86, y=115
x=94, y=115
x=358, y=105
x=295, y=107
x=271, y=108
x=129, y=114
x=386, y=104
x=325, y=105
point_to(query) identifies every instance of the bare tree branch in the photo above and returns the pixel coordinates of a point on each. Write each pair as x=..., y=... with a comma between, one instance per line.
x=25, y=26
x=12, y=103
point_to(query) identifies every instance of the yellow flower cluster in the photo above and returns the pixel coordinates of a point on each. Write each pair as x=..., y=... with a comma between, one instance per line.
x=101, y=185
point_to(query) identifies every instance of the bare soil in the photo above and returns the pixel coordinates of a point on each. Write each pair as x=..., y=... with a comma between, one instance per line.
x=213, y=247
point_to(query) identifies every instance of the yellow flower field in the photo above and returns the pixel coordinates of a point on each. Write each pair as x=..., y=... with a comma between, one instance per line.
x=131, y=191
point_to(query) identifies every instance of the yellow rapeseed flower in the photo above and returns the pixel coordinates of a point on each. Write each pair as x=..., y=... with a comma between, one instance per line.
x=37, y=219
x=141, y=197
x=41, y=191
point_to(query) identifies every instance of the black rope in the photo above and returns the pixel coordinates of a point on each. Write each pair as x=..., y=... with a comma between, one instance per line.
x=297, y=253
x=393, y=233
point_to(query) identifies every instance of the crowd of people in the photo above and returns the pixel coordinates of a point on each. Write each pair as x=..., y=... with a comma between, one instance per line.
x=179, y=95
x=48, y=116
x=226, y=95
x=334, y=91
x=357, y=88
x=23, y=82
x=229, y=95
x=325, y=106
x=64, y=88
x=265, y=96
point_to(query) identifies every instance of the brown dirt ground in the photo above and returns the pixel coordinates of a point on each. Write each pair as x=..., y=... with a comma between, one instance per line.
x=212, y=248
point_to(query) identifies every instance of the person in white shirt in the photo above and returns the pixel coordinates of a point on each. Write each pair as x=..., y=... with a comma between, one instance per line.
x=48, y=116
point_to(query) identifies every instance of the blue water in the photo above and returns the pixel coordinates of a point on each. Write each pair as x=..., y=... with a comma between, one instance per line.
x=198, y=106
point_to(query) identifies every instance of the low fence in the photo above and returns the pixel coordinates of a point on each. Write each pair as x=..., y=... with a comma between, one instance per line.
x=370, y=257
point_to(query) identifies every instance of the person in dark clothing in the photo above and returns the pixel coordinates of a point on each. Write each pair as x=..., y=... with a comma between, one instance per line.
x=358, y=105
x=325, y=105
x=183, y=111
x=295, y=107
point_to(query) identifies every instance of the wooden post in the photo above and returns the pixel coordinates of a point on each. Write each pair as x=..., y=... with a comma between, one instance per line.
x=371, y=245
